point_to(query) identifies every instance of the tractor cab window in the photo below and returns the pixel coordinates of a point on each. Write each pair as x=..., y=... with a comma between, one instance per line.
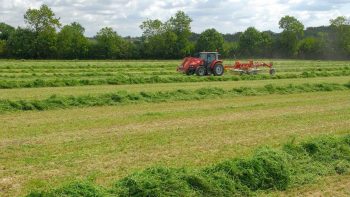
x=203, y=56
x=211, y=57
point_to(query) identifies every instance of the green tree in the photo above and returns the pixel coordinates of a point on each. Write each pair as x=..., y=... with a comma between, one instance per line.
x=341, y=28
x=2, y=48
x=5, y=31
x=293, y=30
x=44, y=24
x=46, y=44
x=210, y=40
x=41, y=19
x=253, y=43
x=310, y=48
x=339, y=22
x=129, y=50
x=71, y=42
x=160, y=46
x=168, y=39
x=108, y=43
x=230, y=50
x=153, y=41
x=266, y=44
x=291, y=24
x=152, y=28
x=249, y=42
x=180, y=24
x=20, y=43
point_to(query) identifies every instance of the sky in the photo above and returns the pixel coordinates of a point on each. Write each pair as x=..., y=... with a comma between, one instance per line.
x=227, y=16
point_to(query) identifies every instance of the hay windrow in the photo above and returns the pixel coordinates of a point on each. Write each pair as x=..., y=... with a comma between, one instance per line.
x=123, y=79
x=61, y=102
x=268, y=169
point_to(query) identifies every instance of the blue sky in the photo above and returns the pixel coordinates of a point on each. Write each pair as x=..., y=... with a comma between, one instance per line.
x=227, y=16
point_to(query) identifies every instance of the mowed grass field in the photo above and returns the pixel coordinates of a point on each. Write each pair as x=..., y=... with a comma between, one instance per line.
x=165, y=119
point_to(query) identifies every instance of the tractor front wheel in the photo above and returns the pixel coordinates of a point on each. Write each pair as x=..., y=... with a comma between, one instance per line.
x=218, y=70
x=190, y=72
x=200, y=71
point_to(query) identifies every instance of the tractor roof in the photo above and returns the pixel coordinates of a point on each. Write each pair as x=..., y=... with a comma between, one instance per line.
x=209, y=52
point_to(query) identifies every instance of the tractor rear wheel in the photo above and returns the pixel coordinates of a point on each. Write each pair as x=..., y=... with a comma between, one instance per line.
x=218, y=70
x=200, y=71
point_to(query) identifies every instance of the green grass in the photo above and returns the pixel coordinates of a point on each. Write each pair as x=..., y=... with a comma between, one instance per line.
x=202, y=125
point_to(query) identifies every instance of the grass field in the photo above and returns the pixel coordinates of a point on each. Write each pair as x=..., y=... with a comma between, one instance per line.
x=47, y=147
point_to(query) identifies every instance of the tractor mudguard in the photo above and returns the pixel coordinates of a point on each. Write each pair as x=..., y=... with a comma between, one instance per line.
x=213, y=63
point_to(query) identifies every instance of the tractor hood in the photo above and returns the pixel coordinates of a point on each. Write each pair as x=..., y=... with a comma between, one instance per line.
x=189, y=62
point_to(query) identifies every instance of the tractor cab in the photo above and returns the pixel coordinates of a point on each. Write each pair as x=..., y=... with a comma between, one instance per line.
x=209, y=58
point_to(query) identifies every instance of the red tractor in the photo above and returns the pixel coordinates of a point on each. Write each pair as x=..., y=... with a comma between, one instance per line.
x=208, y=63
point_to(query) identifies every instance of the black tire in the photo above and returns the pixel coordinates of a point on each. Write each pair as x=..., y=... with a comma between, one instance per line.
x=272, y=71
x=218, y=70
x=200, y=71
x=190, y=72
x=253, y=72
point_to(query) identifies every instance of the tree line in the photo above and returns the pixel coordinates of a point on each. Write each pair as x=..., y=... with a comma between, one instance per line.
x=44, y=37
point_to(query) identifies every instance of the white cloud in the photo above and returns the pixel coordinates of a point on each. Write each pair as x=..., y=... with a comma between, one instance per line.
x=227, y=16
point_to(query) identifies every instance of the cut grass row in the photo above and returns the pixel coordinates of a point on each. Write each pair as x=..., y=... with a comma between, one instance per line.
x=84, y=74
x=45, y=92
x=148, y=68
x=157, y=63
x=86, y=64
x=267, y=169
x=55, y=101
x=121, y=79
x=113, y=72
x=73, y=70
x=106, y=143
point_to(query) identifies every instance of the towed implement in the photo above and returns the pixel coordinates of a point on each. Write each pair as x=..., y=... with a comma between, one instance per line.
x=250, y=67
x=208, y=63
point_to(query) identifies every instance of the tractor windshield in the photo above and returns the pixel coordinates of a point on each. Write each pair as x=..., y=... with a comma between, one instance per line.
x=211, y=57
x=203, y=56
